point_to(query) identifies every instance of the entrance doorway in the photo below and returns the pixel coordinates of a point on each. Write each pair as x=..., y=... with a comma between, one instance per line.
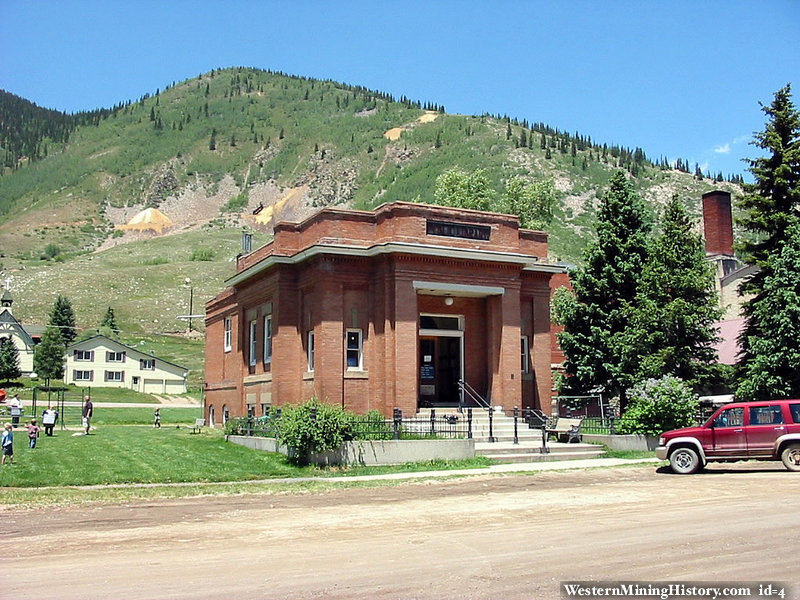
x=440, y=368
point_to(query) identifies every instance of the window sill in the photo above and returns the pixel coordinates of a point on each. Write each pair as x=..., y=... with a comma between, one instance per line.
x=356, y=374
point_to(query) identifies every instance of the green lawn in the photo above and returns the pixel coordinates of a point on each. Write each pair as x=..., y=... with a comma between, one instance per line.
x=119, y=454
x=130, y=454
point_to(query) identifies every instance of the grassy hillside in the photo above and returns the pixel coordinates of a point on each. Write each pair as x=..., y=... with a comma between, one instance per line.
x=209, y=151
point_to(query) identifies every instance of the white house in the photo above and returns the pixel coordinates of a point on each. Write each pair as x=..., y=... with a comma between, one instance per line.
x=102, y=362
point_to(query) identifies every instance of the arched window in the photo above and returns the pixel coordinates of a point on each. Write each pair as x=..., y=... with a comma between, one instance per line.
x=211, y=416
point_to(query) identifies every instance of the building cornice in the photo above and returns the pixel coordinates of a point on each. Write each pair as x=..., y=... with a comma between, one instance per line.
x=524, y=261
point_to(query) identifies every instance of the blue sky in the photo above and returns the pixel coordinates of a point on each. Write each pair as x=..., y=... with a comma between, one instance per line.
x=678, y=78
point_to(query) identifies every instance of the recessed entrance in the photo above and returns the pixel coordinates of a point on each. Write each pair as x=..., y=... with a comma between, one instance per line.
x=441, y=360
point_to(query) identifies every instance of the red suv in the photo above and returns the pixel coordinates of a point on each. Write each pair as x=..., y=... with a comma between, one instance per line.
x=737, y=431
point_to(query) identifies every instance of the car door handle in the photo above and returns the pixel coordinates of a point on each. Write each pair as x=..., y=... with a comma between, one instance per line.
x=738, y=430
x=781, y=428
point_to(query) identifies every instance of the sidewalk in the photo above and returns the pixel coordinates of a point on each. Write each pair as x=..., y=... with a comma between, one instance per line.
x=556, y=465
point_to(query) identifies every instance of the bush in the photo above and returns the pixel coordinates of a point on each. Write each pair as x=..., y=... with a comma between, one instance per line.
x=658, y=405
x=202, y=254
x=303, y=434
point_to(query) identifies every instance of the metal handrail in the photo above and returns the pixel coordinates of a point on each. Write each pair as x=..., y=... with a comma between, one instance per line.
x=474, y=396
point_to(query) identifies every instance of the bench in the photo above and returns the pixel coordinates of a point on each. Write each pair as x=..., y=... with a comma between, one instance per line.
x=198, y=425
x=566, y=429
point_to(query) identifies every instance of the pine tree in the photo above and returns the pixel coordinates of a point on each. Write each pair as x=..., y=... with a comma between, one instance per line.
x=48, y=357
x=110, y=321
x=212, y=143
x=62, y=319
x=772, y=371
x=9, y=360
x=595, y=316
x=673, y=318
x=771, y=204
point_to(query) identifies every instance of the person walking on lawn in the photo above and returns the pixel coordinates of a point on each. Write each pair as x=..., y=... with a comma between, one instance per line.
x=33, y=434
x=8, y=445
x=88, y=410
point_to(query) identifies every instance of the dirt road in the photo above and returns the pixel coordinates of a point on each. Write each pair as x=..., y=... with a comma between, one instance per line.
x=503, y=537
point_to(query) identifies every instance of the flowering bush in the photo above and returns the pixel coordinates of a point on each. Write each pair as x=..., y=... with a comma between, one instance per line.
x=658, y=405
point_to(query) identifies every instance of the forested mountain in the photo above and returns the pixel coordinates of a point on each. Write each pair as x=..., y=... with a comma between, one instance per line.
x=240, y=148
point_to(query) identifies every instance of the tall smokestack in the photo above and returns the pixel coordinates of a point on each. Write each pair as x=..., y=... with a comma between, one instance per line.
x=718, y=223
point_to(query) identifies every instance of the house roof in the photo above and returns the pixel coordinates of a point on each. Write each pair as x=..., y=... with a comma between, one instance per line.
x=77, y=345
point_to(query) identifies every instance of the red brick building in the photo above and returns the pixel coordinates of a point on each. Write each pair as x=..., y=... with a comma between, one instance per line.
x=384, y=309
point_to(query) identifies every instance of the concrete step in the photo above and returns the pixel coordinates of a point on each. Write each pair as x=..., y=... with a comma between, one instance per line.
x=552, y=456
x=509, y=452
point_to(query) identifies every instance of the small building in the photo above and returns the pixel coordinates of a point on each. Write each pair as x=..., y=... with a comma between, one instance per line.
x=384, y=309
x=24, y=337
x=100, y=361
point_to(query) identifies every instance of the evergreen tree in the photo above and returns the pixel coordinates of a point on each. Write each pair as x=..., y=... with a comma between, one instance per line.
x=672, y=322
x=48, y=357
x=773, y=370
x=9, y=360
x=771, y=204
x=595, y=315
x=110, y=321
x=62, y=319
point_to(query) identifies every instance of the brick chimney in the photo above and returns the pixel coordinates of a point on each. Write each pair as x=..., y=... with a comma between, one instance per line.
x=718, y=223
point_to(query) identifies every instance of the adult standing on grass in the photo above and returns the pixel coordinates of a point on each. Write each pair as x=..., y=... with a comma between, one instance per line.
x=15, y=406
x=88, y=410
x=7, y=444
x=49, y=418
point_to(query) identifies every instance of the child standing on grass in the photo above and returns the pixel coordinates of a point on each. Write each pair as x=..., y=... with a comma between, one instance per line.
x=33, y=434
x=8, y=445
x=157, y=418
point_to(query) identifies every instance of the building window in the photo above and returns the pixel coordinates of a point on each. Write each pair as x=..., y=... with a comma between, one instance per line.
x=354, y=356
x=253, y=342
x=526, y=354
x=310, y=350
x=114, y=376
x=115, y=357
x=81, y=375
x=85, y=355
x=147, y=364
x=227, y=337
x=267, y=339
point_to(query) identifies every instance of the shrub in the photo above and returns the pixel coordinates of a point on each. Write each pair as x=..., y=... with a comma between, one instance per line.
x=304, y=434
x=202, y=254
x=658, y=405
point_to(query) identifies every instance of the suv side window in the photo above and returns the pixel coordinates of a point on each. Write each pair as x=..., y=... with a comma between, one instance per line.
x=795, y=410
x=766, y=415
x=731, y=417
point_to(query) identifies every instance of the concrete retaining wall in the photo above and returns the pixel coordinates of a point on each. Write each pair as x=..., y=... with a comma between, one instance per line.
x=373, y=453
x=623, y=442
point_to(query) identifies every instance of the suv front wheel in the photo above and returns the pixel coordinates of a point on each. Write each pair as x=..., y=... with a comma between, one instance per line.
x=685, y=461
x=791, y=457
